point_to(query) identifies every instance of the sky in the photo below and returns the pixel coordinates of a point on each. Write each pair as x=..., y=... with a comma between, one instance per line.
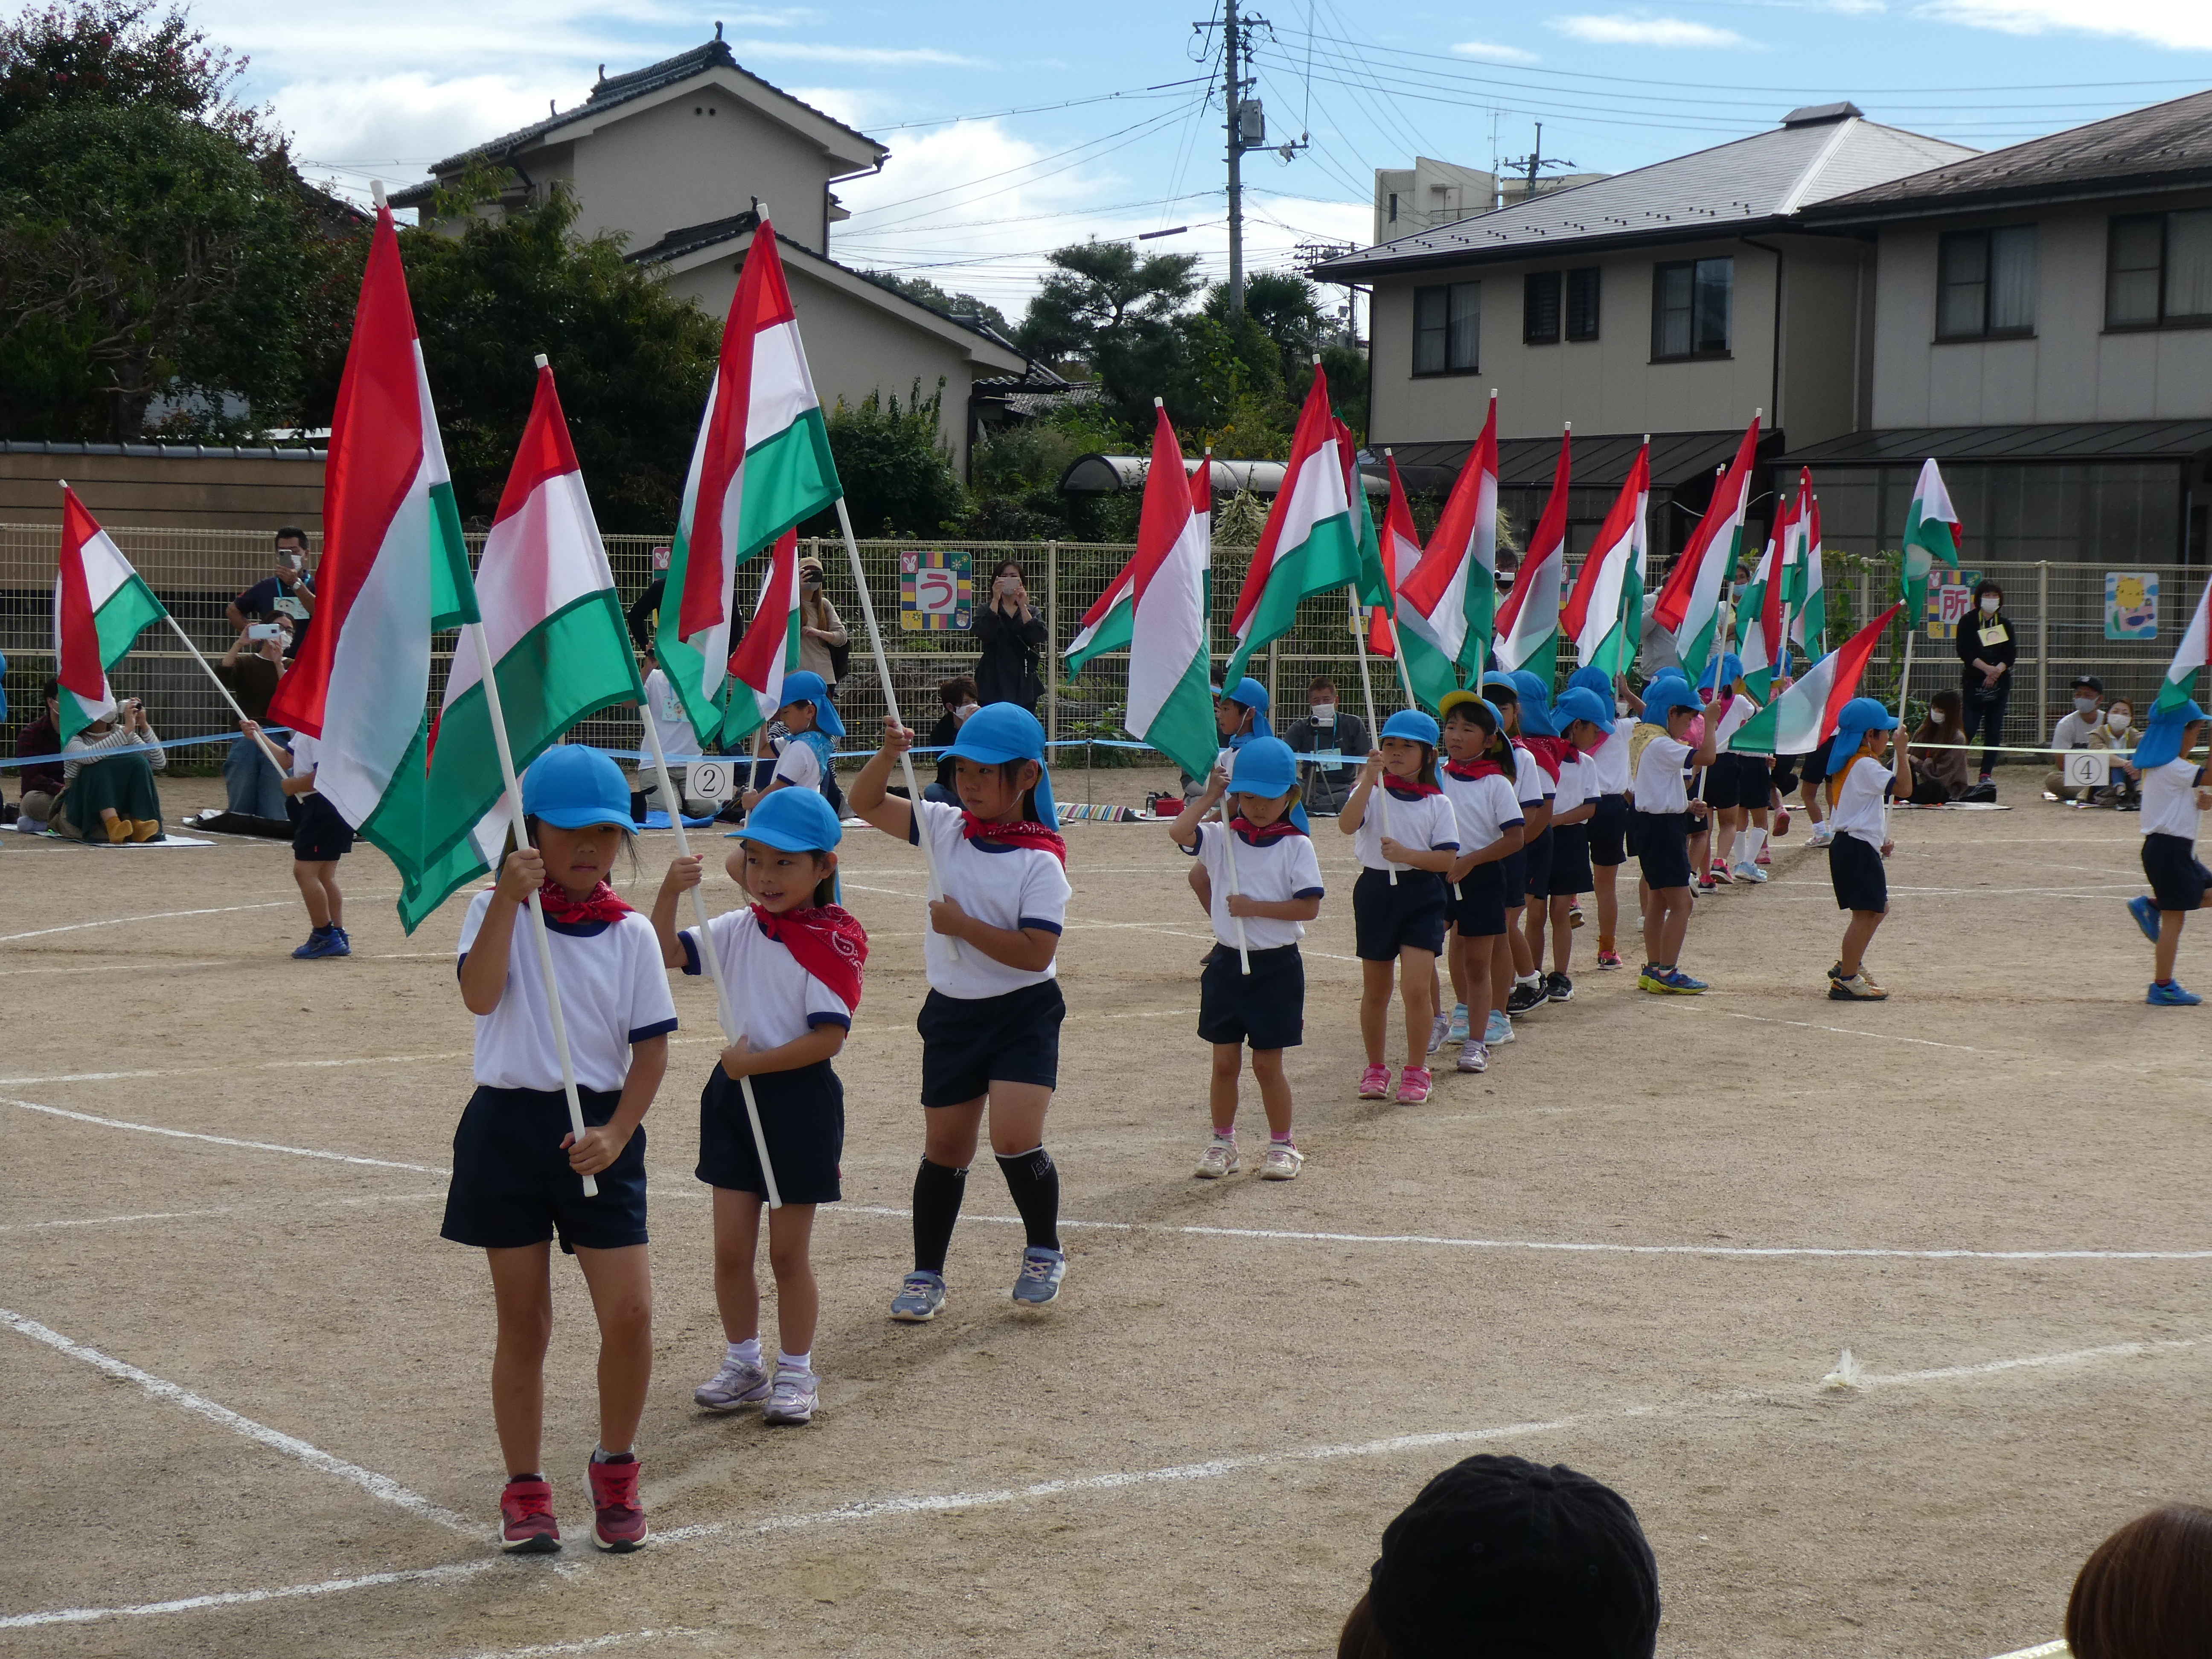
x=1016, y=128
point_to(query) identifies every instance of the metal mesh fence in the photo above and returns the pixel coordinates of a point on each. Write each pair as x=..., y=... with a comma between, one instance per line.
x=2059, y=612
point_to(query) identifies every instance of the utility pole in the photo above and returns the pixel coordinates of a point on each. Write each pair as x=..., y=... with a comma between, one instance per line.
x=1246, y=125
x=1527, y=166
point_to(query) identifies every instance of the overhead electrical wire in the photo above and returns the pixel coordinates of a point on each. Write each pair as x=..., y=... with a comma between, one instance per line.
x=1163, y=88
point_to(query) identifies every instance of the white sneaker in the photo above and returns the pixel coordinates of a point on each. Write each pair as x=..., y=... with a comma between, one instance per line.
x=738, y=1383
x=794, y=1399
x=1822, y=835
x=1281, y=1163
x=1750, y=872
x=1439, y=1028
x=1475, y=1057
x=1219, y=1159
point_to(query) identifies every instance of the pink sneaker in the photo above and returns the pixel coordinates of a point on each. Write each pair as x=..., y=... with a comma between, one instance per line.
x=526, y=1509
x=1375, y=1083
x=1764, y=857
x=1781, y=822
x=1720, y=873
x=1413, y=1085
x=617, y=1522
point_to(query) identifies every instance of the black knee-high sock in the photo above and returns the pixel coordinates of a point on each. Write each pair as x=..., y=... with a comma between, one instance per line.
x=1034, y=1181
x=937, y=1192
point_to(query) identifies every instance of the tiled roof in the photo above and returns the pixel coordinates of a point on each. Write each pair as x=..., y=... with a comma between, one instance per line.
x=2072, y=441
x=2166, y=146
x=163, y=452
x=1752, y=184
x=1601, y=461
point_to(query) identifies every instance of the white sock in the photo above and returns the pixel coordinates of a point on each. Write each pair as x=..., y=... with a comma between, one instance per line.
x=1751, y=838
x=747, y=1352
x=1527, y=979
x=794, y=1362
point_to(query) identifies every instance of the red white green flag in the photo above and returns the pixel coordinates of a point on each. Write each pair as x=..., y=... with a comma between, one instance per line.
x=1170, y=682
x=99, y=605
x=1689, y=601
x=1802, y=718
x=769, y=649
x=1309, y=544
x=2180, y=685
x=1604, y=614
x=761, y=463
x=1808, y=594
x=1761, y=612
x=1529, y=621
x=1932, y=533
x=1105, y=627
x=1450, y=598
x=1428, y=671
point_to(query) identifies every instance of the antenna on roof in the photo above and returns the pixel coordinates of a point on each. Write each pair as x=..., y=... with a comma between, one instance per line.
x=552, y=107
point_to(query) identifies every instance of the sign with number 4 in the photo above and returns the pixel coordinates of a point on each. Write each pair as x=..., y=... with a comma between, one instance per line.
x=2087, y=769
x=707, y=780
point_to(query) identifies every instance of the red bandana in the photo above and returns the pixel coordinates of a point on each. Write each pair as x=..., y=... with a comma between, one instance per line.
x=826, y=941
x=1014, y=835
x=600, y=904
x=1480, y=767
x=1258, y=836
x=1401, y=790
x=1547, y=751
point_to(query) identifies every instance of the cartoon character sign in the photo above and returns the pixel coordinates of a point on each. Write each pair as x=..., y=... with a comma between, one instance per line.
x=2131, y=605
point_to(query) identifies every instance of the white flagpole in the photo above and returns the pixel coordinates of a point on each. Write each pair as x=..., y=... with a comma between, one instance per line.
x=1374, y=730
x=1229, y=853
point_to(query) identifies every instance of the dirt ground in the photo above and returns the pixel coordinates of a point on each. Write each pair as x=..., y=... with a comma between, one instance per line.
x=245, y=1383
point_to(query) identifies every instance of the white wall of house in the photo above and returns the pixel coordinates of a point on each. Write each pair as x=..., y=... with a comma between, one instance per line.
x=674, y=165
x=2070, y=369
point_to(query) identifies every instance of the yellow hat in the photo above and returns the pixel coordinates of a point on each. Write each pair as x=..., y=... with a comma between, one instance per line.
x=1459, y=698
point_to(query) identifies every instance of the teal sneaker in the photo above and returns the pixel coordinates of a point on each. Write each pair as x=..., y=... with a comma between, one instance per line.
x=1039, y=1280
x=2146, y=915
x=1458, y=1031
x=2169, y=995
x=1499, y=1029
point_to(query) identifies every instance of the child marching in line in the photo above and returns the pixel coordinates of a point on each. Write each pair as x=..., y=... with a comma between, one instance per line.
x=1858, y=786
x=1513, y=974
x=1399, y=923
x=990, y=1026
x=2173, y=794
x=1478, y=780
x=1561, y=861
x=804, y=763
x=1581, y=717
x=791, y=965
x=1608, y=825
x=1662, y=830
x=1277, y=888
x=319, y=839
x=517, y=1169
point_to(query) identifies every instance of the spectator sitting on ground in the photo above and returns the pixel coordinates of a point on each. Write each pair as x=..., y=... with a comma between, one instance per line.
x=289, y=581
x=1939, y=773
x=961, y=699
x=1501, y=1556
x=2124, y=792
x=2082, y=726
x=2145, y=1592
x=42, y=785
x=1325, y=726
x=113, y=799
x=250, y=670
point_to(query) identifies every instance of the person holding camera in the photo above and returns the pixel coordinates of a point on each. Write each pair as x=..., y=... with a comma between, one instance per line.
x=288, y=591
x=824, y=647
x=249, y=671
x=1012, y=636
x=1326, y=728
x=109, y=797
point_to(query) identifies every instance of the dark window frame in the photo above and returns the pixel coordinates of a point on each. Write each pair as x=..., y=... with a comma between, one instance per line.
x=1985, y=236
x=1543, y=307
x=1590, y=281
x=2164, y=320
x=1695, y=354
x=1446, y=367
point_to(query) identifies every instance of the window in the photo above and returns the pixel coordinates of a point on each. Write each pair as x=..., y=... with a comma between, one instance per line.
x=1394, y=207
x=1581, y=303
x=1985, y=283
x=1540, y=309
x=2160, y=271
x=1447, y=328
x=1690, y=308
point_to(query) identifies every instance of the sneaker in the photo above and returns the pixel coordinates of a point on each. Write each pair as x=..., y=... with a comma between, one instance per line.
x=1219, y=1159
x=1558, y=988
x=314, y=947
x=1682, y=985
x=794, y=1399
x=1499, y=1029
x=1439, y=1030
x=2171, y=995
x=1750, y=874
x=1038, y=1282
x=1415, y=1083
x=2146, y=915
x=739, y=1383
x=1375, y=1083
x=1707, y=884
x=1835, y=969
x=1781, y=828
x=617, y=1522
x=1720, y=871
x=1653, y=980
x=1574, y=914
x=1281, y=1163
x=1857, y=988
x=1522, y=997
x=1458, y=1032
x=1822, y=835
x=344, y=943
x=1475, y=1057
x=920, y=1298
x=1609, y=960
x=1765, y=858
x=526, y=1522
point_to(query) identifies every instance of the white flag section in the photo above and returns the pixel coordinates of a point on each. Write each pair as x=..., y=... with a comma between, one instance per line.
x=2180, y=685
x=1170, y=691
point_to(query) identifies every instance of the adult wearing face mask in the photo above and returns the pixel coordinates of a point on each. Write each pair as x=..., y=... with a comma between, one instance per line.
x=822, y=641
x=1325, y=727
x=1987, y=649
x=2124, y=791
x=2081, y=727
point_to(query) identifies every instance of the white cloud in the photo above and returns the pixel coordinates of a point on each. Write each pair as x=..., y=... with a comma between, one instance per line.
x=395, y=125
x=1495, y=53
x=816, y=51
x=2184, y=25
x=1621, y=29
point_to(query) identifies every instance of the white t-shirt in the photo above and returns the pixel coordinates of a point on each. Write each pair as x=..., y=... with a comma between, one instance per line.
x=1858, y=808
x=305, y=753
x=1285, y=867
x=2169, y=798
x=1482, y=808
x=773, y=999
x=665, y=710
x=1428, y=822
x=1659, y=785
x=1609, y=760
x=2073, y=731
x=1573, y=786
x=798, y=766
x=1010, y=887
x=614, y=991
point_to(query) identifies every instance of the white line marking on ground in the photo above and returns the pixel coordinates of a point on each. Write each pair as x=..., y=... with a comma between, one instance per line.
x=1880, y=1037
x=224, y=1140
x=376, y=1486
x=151, y=915
x=2048, y=1650
x=260, y=1208
x=456, y=1569
x=137, y=965
x=545, y=1651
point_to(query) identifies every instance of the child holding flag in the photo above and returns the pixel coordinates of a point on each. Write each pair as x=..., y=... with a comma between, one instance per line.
x=1607, y=756
x=1515, y=986
x=990, y=1026
x=1857, y=787
x=1565, y=862
x=792, y=962
x=1664, y=812
x=2173, y=794
x=1478, y=780
x=1277, y=888
x=517, y=1169
x=1399, y=923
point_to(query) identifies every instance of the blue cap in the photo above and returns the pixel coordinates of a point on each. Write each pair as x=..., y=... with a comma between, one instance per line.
x=796, y=820
x=1857, y=717
x=1264, y=766
x=572, y=786
x=2162, y=737
x=1249, y=693
x=1663, y=696
x=1731, y=671
x=1000, y=732
x=808, y=687
x=1592, y=678
x=1412, y=726
x=1498, y=680
x=1579, y=703
x=1536, y=704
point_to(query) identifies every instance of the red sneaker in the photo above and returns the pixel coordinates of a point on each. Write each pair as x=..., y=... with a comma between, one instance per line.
x=525, y=1508
x=617, y=1522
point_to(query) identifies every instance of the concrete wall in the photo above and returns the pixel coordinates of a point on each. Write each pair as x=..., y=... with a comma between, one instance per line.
x=1821, y=281
x=177, y=491
x=663, y=169
x=2069, y=370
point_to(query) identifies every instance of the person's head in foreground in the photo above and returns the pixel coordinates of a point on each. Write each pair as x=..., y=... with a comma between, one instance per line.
x=786, y=854
x=1502, y=1558
x=2145, y=1592
x=1001, y=773
x=575, y=804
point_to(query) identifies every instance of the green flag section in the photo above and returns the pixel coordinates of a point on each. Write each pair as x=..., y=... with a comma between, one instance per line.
x=1105, y=627
x=2181, y=686
x=1932, y=533
x=1604, y=614
x=394, y=571
x=1450, y=601
x=1688, y=607
x=1310, y=544
x=100, y=604
x=761, y=464
x=1431, y=670
x=1803, y=717
x=554, y=630
x=1761, y=616
x=1374, y=584
x=1170, y=687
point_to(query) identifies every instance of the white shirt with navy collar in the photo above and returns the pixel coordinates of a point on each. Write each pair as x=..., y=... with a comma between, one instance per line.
x=1001, y=885
x=1278, y=868
x=614, y=991
x=773, y=999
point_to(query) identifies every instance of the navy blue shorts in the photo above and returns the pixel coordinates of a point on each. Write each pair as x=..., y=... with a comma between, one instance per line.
x=1855, y=872
x=1737, y=780
x=1813, y=768
x=1386, y=920
x=967, y=1043
x=2178, y=881
x=319, y=835
x=1782, y=775
x=1265, y=1008
x=1478, y=910
x=1513, y=870
x=1571, y=861
x=1609, y=832
x=1663, y=848
x=802, y=1116
x=511, y=1185
x=1539, y=876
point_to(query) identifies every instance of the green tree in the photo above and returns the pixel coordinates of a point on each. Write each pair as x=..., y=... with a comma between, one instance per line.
x=1099, y=294
x=922, y=291
x=895, y=465
x=123, y=52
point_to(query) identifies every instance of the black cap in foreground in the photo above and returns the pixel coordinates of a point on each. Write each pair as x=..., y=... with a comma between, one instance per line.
x=2089, y=680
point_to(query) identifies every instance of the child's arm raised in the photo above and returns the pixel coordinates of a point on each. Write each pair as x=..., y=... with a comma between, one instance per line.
x=868, y=798
x=1184, y=830
x=484, y=974
x=1355, y=806
x=821, y=1042
x=683, y=874
x=602, y=1145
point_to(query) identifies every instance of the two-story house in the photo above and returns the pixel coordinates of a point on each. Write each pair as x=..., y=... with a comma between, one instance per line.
x=1675, y=300
x=675, y=158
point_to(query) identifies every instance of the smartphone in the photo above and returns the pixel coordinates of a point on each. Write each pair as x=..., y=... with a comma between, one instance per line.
x=258, y=631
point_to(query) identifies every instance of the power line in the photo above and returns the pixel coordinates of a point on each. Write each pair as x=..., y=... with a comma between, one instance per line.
x=1032, y=109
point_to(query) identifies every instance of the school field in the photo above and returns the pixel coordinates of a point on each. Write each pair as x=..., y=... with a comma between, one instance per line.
x=243, y=1383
